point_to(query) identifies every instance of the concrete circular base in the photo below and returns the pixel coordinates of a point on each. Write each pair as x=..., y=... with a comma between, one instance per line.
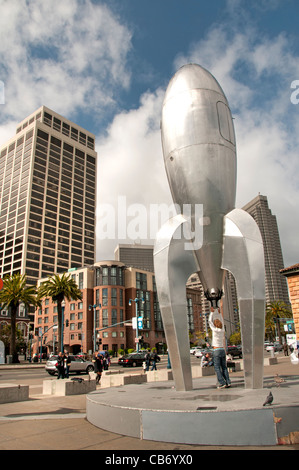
x=203, y=416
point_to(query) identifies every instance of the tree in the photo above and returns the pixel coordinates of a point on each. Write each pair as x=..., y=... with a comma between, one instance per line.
x=58, y=288
x=5, y=336
x=13, y=293
x=235, y=338
x=276, y=310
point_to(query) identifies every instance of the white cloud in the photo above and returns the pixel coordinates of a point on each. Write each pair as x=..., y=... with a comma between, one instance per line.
x=131, y=174
x=66, y=55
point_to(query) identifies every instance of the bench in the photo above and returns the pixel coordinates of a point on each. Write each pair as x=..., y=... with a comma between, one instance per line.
x=65, y=387
x=11, y=392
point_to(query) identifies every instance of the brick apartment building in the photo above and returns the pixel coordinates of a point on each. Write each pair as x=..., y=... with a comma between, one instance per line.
x=107, y=288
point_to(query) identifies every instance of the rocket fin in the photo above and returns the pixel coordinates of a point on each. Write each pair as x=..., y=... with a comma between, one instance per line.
x=174, y=264
x=243, y=256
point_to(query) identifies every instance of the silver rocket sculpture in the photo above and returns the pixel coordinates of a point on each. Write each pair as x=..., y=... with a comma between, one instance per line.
x=199, y=149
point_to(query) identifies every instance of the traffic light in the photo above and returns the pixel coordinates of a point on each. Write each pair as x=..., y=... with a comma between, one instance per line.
x=67, y=323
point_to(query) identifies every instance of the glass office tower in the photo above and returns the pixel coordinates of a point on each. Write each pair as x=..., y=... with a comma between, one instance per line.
x=48, y=197
x=276, y=285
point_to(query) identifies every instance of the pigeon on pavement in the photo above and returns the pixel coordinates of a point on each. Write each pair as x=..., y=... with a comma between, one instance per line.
x=269, y=399
x=278, y=380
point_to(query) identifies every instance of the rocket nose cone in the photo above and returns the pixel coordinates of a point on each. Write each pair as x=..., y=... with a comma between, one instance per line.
x=191, y=77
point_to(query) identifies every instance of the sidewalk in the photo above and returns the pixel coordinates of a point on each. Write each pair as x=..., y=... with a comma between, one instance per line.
x=59, y=423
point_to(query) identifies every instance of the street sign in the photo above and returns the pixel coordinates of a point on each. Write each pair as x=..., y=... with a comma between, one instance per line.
x=1, y=283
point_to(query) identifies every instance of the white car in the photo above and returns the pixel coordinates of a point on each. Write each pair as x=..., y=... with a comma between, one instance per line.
x=194, y=349
x=77, y=365
x=200, y=352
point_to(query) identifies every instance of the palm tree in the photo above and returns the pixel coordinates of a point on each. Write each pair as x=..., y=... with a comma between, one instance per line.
x=276, y=310
x=58, y=288
x=14, y=292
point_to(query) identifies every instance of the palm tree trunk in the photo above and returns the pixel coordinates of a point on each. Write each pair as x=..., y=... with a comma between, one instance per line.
x=59, y=316
x=12, y=349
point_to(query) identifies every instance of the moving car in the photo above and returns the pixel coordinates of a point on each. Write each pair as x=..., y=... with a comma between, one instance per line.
x=133, y=359
x=77, y=365
x=235, y=351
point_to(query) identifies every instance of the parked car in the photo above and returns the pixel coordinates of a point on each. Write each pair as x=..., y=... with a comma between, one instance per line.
x=202, y=351
x=78, y=365
x=276, y=346
x=235, y=351
x=195, y=349
x=133, y=359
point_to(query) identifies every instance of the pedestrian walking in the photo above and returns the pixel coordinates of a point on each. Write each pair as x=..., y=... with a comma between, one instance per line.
x=60, y=365
x=106, y=361
x=98, y=366
x=148, y=360
x=67, y=365
x=154, y=359
x=286, y=349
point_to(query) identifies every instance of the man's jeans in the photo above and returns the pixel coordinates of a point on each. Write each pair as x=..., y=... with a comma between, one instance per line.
x=220, y=366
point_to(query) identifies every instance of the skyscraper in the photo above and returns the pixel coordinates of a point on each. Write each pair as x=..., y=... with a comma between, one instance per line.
x=47, y=194
x=276, y=286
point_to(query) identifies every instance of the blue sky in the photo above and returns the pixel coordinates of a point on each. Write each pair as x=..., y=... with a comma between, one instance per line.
x=106, y=65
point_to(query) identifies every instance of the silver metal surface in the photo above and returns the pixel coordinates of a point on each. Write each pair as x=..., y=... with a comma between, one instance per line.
x=199, y=151
x=243, y=255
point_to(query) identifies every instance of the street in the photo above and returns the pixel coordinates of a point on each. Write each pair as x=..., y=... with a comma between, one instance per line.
x=34, y=374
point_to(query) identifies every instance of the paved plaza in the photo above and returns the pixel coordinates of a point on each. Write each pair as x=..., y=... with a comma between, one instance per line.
x=59, y=422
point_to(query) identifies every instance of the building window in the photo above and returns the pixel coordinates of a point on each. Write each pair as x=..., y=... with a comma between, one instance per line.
x=113, y=296
x=97, y=319
x=104, y=317
x=105, y=276
x=114, y=316
x=190, y=314
x=81, y=280
x=105, y=297
x=113, y=274
x=141, y=281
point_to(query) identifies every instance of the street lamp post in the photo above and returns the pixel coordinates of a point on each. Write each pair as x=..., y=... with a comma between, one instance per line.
x=136, y=300
x=94, y=323
x=62, y=325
